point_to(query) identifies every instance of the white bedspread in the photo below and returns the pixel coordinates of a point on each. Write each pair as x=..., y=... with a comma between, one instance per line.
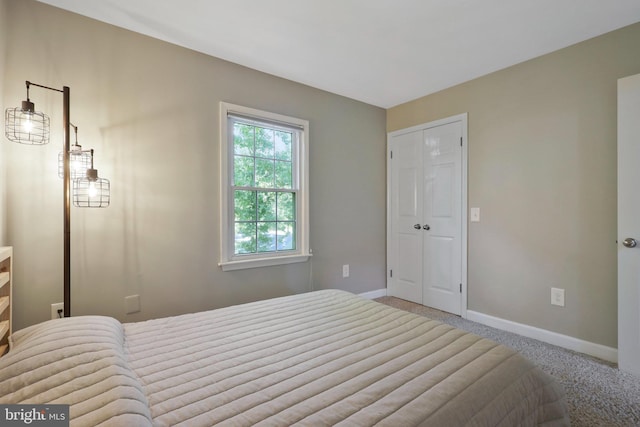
x=77, y=361
x=322, y=358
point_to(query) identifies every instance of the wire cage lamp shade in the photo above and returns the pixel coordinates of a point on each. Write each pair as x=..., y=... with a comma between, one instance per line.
x=91, y=191
x=26, y=126
x=79, y=160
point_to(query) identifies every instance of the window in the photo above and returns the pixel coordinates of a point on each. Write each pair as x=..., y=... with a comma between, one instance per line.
x=264, y=188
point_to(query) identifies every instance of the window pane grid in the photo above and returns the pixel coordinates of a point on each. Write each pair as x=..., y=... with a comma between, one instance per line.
x=265, y=236
x=259, y=163
x=267, y=222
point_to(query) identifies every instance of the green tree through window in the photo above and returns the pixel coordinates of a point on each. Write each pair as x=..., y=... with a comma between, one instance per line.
x=264, y=200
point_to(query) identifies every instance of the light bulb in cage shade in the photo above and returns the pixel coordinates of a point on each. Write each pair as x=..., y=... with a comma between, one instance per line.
x=75, y=164
x=25, y=125
x=79, y=162
x=92, y=191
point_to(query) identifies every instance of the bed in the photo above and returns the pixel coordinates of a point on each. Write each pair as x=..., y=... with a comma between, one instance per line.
x=321, y=358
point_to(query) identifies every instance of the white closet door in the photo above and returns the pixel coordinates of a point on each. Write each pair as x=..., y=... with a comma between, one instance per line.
x=629, y=224
x=426, y=228
x=405, y=217
x=442, y=257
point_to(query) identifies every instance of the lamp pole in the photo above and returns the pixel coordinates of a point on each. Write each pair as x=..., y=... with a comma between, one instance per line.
x=66, y=93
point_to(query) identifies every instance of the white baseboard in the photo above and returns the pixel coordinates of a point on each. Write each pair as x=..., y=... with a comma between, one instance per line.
x=375, y=294
x=596, y=350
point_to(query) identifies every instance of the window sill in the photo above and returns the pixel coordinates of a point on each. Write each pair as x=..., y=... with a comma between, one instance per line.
x=262, y=262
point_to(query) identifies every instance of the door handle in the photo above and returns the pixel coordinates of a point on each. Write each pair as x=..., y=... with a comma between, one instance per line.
x=417, y=226
x=426, y=227
x=630, y=242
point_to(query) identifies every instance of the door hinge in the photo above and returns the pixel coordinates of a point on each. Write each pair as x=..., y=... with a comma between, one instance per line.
x=390, y=273
x=460, y=141
x=460, y=287
x=391, y=154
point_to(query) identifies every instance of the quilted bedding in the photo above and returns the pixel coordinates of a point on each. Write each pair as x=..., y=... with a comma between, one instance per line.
x=322, y=358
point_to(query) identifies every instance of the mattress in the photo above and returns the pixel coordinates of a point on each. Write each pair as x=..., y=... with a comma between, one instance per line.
x=314, y=359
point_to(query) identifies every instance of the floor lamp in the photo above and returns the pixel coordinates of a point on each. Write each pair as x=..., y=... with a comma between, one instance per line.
x=27, y=126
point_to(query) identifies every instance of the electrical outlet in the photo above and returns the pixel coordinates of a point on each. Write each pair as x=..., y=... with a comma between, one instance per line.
x=557, y=297
x=57, y=310
x=345, y=270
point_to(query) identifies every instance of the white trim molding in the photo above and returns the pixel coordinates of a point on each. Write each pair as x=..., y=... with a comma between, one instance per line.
x=374, y=294
x=609, y=354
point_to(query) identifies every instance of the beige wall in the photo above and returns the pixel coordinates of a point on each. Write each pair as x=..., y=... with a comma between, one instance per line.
x=150, y=110
x=542, y=169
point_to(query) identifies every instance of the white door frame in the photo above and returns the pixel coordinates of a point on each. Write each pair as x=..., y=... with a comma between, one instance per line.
x=463, y=119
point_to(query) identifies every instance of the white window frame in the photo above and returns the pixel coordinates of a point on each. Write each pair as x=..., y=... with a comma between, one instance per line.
x=228, y=260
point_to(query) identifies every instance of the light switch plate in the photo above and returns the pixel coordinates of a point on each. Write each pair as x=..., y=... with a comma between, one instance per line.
x=557, y=297
x=475, y=215
x=345, y=270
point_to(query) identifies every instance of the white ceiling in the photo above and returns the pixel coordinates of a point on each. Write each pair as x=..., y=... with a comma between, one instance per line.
x=382, y=52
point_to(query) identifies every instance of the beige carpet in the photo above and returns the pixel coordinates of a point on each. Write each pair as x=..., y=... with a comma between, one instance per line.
x=597, y=392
